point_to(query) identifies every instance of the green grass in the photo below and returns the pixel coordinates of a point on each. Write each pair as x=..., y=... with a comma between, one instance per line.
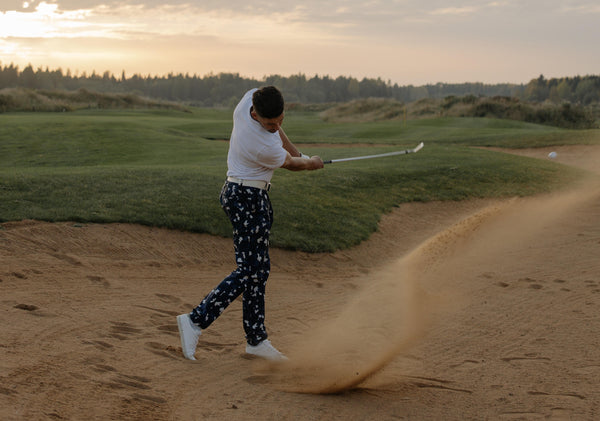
x=164, y=168
x=458, y=131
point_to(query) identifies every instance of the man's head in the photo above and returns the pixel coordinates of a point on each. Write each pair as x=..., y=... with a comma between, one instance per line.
x=267, y=108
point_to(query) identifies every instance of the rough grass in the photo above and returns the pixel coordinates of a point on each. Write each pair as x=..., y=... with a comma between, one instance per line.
x=21, y=99
x=380, y=109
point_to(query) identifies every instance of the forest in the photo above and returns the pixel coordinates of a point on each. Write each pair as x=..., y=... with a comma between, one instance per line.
x=224, y=89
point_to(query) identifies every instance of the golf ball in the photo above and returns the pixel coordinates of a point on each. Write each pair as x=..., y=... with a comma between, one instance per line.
x=552, y=155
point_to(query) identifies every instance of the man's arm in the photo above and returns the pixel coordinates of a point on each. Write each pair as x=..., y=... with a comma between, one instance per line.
x=287, y=144
x=294, y=161
x=297, y=163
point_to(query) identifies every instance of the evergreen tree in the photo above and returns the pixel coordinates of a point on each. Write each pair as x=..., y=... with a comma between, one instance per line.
x=225, y=89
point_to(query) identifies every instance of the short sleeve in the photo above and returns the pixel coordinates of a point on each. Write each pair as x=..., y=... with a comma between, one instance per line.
x=272, y=157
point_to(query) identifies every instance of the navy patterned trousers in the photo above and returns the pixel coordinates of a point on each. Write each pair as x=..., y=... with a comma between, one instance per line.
x=251, y=215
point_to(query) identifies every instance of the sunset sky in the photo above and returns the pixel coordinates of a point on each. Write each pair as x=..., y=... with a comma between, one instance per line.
x=404, y=41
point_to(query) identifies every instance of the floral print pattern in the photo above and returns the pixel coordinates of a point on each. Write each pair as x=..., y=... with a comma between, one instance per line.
x=251, y=215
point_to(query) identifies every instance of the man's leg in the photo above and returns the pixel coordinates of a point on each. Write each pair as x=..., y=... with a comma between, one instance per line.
x=250, y=213
x=218, y=299
x=254, y=293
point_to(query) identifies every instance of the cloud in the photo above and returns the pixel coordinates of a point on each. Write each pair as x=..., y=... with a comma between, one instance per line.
x=426, y=40
x=11, y=48
x=240, y=6
x=456, y=11
x=45, y=21
x=126, y=19
x=586, y=8
x=15, y=5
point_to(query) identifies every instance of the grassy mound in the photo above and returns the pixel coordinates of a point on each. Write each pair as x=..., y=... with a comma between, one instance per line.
x=20, y=99
x=379, y=109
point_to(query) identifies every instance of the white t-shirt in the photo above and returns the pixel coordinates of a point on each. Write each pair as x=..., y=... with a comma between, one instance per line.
x=254, y=153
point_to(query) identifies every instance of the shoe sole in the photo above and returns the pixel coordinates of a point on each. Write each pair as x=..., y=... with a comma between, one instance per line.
x=259, y=358
x=250, y=356
x=180, y=328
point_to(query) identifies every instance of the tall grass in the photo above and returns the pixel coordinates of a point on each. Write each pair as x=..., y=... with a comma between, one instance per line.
x=380, y=109
x=21, y=99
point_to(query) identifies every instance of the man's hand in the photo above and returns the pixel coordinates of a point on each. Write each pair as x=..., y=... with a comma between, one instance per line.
x=316, y=162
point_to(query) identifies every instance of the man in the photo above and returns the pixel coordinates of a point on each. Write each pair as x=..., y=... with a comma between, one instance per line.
x=257, y=147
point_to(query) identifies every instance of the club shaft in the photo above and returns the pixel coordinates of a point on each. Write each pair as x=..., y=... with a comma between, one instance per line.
x=355, y=158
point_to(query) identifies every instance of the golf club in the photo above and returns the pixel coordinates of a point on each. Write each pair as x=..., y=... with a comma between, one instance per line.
x=355, y=158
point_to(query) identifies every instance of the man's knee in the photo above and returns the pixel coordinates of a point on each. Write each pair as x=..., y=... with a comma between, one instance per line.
x=254, y=274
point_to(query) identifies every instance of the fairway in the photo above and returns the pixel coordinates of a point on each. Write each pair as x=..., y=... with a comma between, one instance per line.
x=166, y=168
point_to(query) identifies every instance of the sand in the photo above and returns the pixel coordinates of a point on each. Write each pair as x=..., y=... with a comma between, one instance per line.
x=480, y=309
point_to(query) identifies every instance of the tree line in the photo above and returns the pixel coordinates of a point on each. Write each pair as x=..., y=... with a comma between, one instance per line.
x=224, y=89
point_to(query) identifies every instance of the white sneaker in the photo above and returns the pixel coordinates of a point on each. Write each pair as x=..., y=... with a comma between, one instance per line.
x=265, y=350
x=189, y=334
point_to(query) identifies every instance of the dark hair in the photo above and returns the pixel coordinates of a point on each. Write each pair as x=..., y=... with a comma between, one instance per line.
x=268, y=102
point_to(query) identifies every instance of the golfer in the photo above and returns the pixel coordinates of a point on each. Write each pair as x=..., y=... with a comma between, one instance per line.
x=257, y=147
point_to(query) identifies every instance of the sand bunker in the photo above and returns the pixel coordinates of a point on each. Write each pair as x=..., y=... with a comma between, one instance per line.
x=392, y=309
x=469, y=310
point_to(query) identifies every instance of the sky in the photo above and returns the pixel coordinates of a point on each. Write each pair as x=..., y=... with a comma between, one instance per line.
x=409, y=42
